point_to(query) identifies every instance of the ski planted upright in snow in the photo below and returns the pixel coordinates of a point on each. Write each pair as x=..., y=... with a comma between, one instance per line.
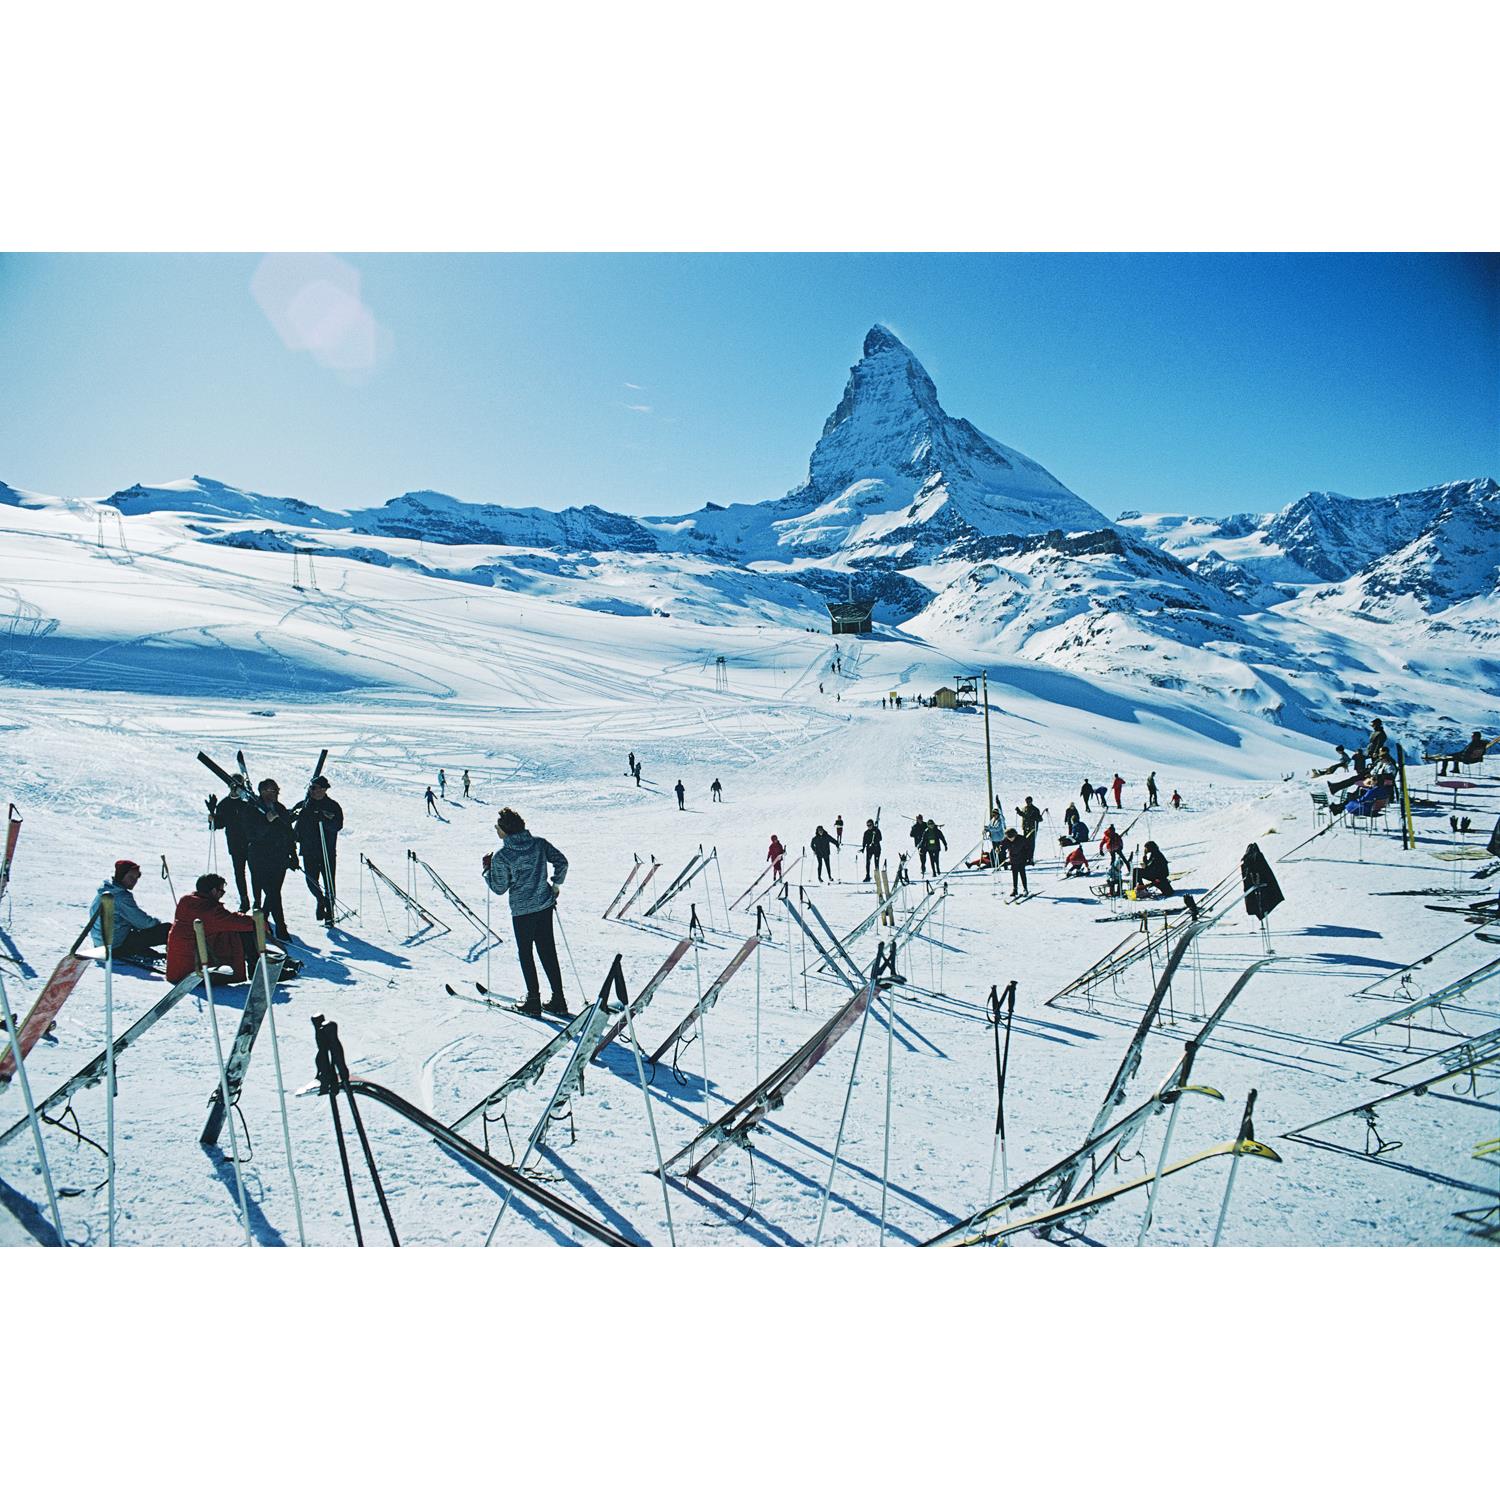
x=71, y=967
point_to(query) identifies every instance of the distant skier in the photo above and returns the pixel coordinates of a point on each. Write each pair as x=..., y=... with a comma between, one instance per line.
x=914, y=833
x=774, y=855
x=870, y=843
x=443, y=784
x=716, y=789
x=1117, y=786
x=136, y=933
x=1086, y=791
x=823, y=843
x=995, y=833
x=838, y=829
x=1070, y=815
x=317, y=822
x=1078, y=831
x=637, y=773
x=273, y=851
x=681, y=794
x=1151, y=800
x=631, y=759
x=1176, y=799
x=432, y=807
x=235, y=815
x=1030, y=816
x=518, y=868
x=933, y=843
x=1111, y=843
x=466, y=786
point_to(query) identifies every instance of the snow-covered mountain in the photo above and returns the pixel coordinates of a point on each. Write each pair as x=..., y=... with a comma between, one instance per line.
x=1328, y=608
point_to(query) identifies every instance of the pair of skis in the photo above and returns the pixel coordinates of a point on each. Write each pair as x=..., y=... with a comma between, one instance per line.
x=8, y=857
x=44, y=1010
x=690, y=872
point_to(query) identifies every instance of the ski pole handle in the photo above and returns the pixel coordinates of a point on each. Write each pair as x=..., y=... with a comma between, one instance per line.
x=107, y=920
x=259, y=918
x=202, y=943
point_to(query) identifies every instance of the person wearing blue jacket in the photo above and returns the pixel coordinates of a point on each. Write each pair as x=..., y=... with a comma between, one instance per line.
x=519, y=869
x=136, y=933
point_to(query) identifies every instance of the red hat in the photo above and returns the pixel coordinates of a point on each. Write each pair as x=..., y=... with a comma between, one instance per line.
x=124, y=867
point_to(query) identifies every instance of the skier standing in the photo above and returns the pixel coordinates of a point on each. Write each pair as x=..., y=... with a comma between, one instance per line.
x=716, y=789
x=775, y=854
x=637, y=773
x=235, y=815
x=273, y=851
x=466, y=785
x=932, y=843
x=317, y=822
x=915, y=832
x=136, y=933
x=630, y=759
x=822, y=842
x=432, y=810
x=1117, y=786
x=1014, y=846
x=518, y=868
x=681, y=793
x=443, y=784
x=870, y=843
x=1086, y=791
x=1151, y=800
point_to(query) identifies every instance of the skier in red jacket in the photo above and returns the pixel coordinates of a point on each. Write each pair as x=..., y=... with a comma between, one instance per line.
x=1117, y=786
x=775, y=854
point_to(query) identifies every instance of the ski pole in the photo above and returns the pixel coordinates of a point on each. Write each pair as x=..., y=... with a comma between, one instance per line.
x=225, y=1095
x=259, y=918
x=336, y=1048
x=838, y=1144
x=702, y=1031
x=328, y=1083
x=36, y=1129
x=488, y=983
x=890, y=1070
x=1247, y=1132
x=1189, y=1051
x=640, y=1073
x=166, y=875
x=107, y=923
x=563, y=933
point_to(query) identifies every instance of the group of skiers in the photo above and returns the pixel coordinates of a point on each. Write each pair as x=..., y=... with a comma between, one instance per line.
x=1089, y=792
x=432, y=800
x=715, y=787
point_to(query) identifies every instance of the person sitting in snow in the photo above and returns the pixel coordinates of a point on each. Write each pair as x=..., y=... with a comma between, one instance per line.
x=136, y=933
x=1077, y=863
x=228, y=935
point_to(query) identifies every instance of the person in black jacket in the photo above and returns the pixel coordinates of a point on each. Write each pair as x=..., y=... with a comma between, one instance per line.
x=1017, y=857
x=870, y=843
x=273, y=851
x=1152, y=870
x=317, y=822
x=822, y=843
x=916, y=831
x=235, y=814
x=932, y=842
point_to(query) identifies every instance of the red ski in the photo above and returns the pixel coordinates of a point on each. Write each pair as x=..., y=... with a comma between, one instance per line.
x=12, y=833
x=53, y=997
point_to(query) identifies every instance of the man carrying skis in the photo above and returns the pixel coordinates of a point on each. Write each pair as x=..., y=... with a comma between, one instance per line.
x=136, y=933
x=317, y=822
x=870, y=843
x=933, y=842
x=235, y=814
x=518, y=868
x=273, y=851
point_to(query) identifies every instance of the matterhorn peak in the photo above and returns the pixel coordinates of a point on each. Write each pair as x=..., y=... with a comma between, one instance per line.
x=880, y=339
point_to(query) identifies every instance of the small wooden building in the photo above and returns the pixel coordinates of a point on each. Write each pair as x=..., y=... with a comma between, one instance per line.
x=945, y=697
x=851, y=618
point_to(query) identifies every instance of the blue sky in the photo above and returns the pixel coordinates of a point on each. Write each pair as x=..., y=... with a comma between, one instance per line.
x=653, y=383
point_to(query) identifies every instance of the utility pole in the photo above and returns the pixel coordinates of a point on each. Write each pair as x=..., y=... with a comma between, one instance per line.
x=989, y=771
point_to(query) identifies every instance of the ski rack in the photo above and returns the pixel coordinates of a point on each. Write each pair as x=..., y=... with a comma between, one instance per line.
x=636, y=893
x=882, y=909
x=94, y=1072
x=735, y=1124
x=624, y=886
x=237, y=1064
x=13, y=822
x=1131, y=1061
x=841, y=973
x=1459, y=1052
x=709, y=1000
x=770, y=870
x=691, y=871
x=1437, y=999
x=410, y=902
x=1124, y=1130
x=647, y=994
x=63, y=980
x=571, y=1080
x=1469, y=1069
x=1372, y=990
x=467, y=911
x=1241, y=1145
x=528, y=1072
x=528, y=1187
x=1139, y=945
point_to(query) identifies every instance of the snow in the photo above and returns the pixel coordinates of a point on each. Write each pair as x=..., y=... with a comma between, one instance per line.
x=540, y=697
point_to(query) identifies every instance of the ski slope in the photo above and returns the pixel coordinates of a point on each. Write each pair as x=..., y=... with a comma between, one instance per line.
x=179, y=645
